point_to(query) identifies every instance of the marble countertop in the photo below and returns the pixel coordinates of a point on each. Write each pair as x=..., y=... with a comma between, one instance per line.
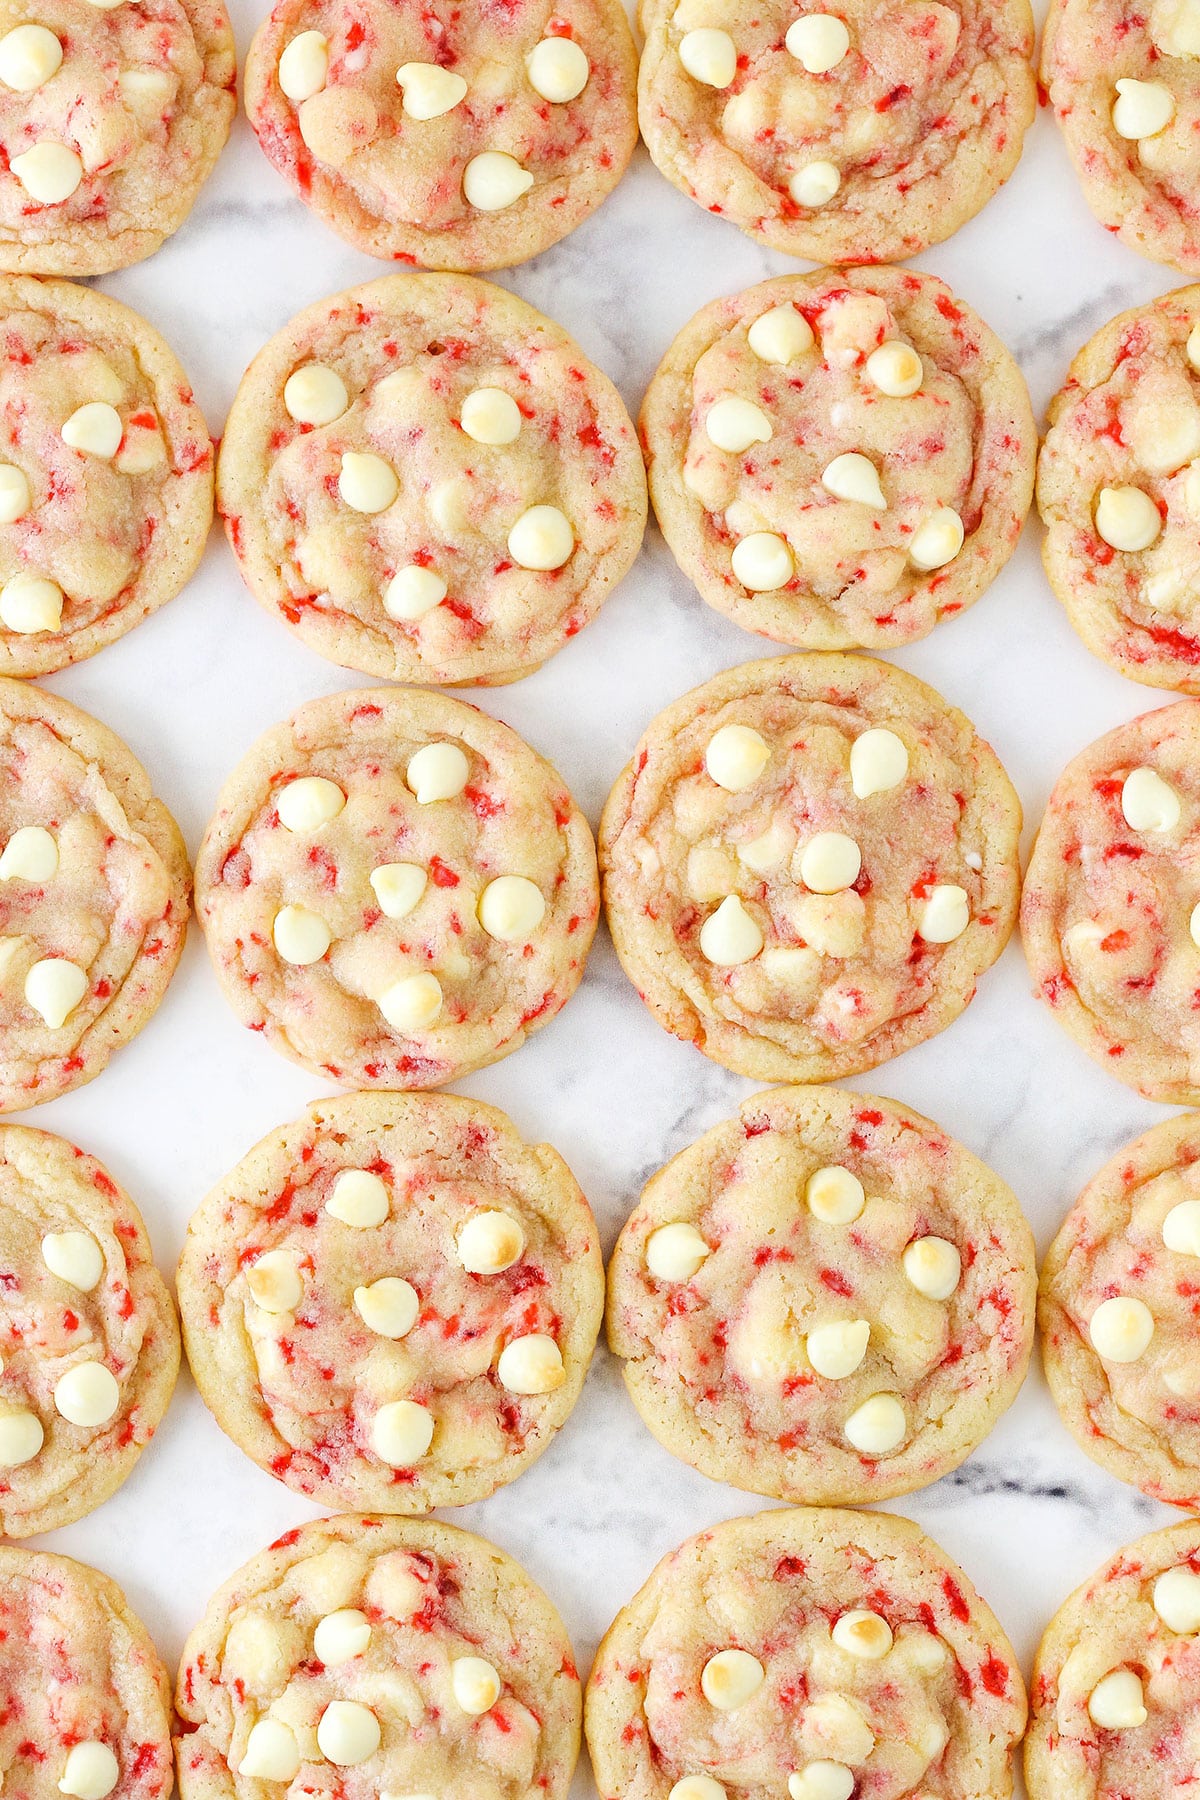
x=1028, y=1515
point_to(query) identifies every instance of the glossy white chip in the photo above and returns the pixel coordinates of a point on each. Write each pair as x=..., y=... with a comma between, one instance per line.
x=398, y=887
x=75, y=1257
x=543, y=538
x=475, y=1684
x=895, y=369
x=490, y=1242
x=21, y=1437
x=877, y=1426
x=388, y=1307
x=878, y=762
x=271, y=1753
x=736, y=756
x=1148, y=802
x=91, y=1771
x=341, y=1636
x=494, y=180
x=301, y=937
x=87, y=1394
x=308, y=803
x=401, y=1433
x=54, y=987
x=304, y=66
x=359, y=1198
x=780, y=335
x=709, y=56
x=95, y=429
x=348, y=1733
x=429, y=90
x=49, y=172
x=836, y=1350
x=558, y=69
x=531, y=1365
x=675, y=1252
x=511, y=908
x=413, y=1003
x=437, y=772
x=834, y=1195
x=734, y=424
x=31, y=603
x=274, y=1282
x=763, y=562
x=490, y=416
x=730, y=935
x=933, y=1266
x=29, y=56
x=366, y=483
x=412, y=592
x=730, y=1678
x=315, y=395
x=30, y=854
x=818, y=41
x=853, y=476
x=1121, y=1329
x=815, y=183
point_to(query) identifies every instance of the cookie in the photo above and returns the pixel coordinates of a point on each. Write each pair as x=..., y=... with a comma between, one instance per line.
x=840, y=458
x=106, y=471
x=1110, y=914
x=1122, y=84
x=1114, y=1689
x=427, y=481
x=94, y=887
x=392, y=1302
x=112, y=117
x=861, y=135
x=808, y=863
x=396, y=889
x=810, y=1653
x=378, y=1656
x=823, y=1299
x=1118, y=489
x=443, y=136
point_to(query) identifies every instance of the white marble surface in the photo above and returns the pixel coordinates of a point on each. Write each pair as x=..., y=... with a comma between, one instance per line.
x=1028, y=1516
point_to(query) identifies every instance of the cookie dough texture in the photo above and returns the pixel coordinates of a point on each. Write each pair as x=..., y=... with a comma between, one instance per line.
x=426, y=134
x=862, y=887
x=901, y=140
x=718, y=1361
x=106, y=472
x=952, y=455
x=1133, y=1622
x=94, y=887
x=1125, y=87
x=934, y=1709
x=1108, y=913
x=426, y=1599
x=412, y=362
x=107, y=149
x=352, y=1014
x=1124, y=440
x=299, y=1367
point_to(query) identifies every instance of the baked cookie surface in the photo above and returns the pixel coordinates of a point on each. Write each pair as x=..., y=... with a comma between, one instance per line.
x=112, y=117
x=392, y=1302
x=808, y=863
x=823, y=1299
x=810, y=1653
x=840, y=458
x=1114, y=1684
x=396, y=889
x=1110, y=913
x=428, y=481
x=106, y=473
x=409, y=1655
x=94, y=886
x=861, y=135
x=445, y=136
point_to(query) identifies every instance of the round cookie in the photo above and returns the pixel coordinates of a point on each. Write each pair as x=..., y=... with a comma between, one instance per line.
x=1110, y=913
x=823, y=1299
x=90, y=1342
x=392, y=1302
x=408, y=1655
x=427, y=481
x=808, y=863
x=864, y=134
x=396, y=889
x=1119, y=490
x=444, y=136
x=112, y=117
x=840, y=458
x=1125, y=88
x=1116, y=1680
x=106, y=472
x=805, y=1653
x=94, y=887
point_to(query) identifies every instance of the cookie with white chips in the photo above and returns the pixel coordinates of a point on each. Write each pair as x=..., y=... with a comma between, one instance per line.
x=427, y=480
x=825, y=1299
x=392, y=1302
x=396, y=889
x=1114, y=1695
x=809, y=1653
x=808, y=863
x=94, y=889
x=840, y=458
x=447, y=136
x=1110, y=913
x=862, y=133
x=378, y=1656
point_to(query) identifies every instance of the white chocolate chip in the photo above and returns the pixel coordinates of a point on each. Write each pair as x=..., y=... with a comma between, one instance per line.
x=834, y=1195
x=769, y=849
x=274, y=1282
x=412, y=592
x=494, y=180
x=359, y=1198
x=818, y=41
x=367, y=483
x=437, y=772
x=475, y=1684
x=94, y=429
x=21, y=1437
x=300, y=936
x=1148, y=803
x=781, y=335
x=308, y=803
x=877, y=1426
x=937, y=539
x=837, y=1349
x=1194, y=925
x=49, y=172
x=675, y=1252
x=709, y=56
x=863, y=1634
x=54, y=987
x=735, y=758
x=698, y=1787
x=1142, y=108
x=401, y=1433
x=304, y=66
x=733, y=424
x=271, y=1753
x=30, y=854
x=933, y=1266
x=1177, y=1600
x=821, y=1781
x=1127, y=518
x=763, y=562
x=87, y=1394
x=854, y=477
x=1117, y=1703
x=30, y=603
x=429, y=90
x=314, y=394
x=75, y=1257
x=490, y=416
x=878, y=762
x=730, y=1678
x=1181, y=1228
x=91, y=1771
x=388, y=1307
x=29, y=56
x=398, y=887
x=542, y=538
x=511, y=908
x=558, y=70
x=1175, y=27
x=815, y=183
x=348, y=1733
x=490, y=1242
x=730, y=935
x=531, y=1365
x=1121, y=1329
x=829, y=862
x=15, y=494
x=836, y=1724
x=413, y=1003
x=895, y=369
x=341, y=1636
x=945, y=914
